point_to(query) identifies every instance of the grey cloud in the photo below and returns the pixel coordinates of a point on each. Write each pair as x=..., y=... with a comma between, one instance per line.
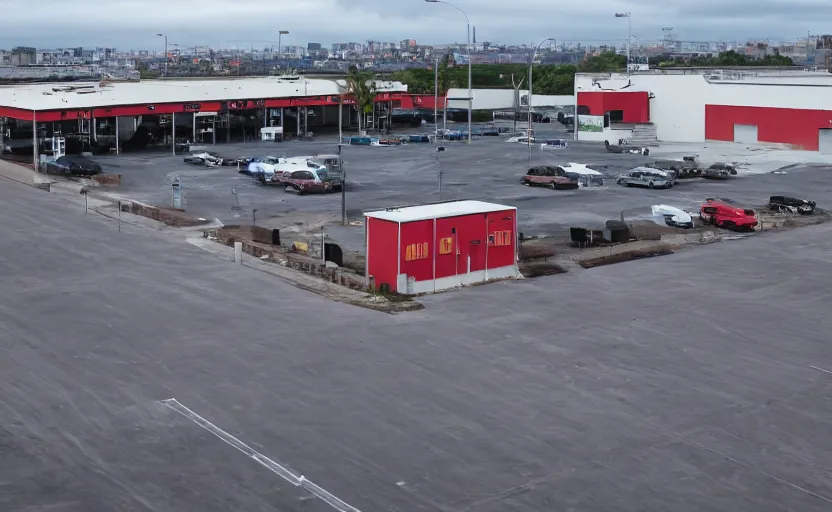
x=134, y=23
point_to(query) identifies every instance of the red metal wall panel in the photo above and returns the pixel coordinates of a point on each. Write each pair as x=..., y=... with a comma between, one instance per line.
x=501, y=239
x=15, y=113
x=417, y=233
x=382, y=253
x=782, y=125
x=635, y=105
x=460, y=231
x=189, y=107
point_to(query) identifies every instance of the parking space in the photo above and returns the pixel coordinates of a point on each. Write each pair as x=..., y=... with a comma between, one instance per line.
x=488, y=169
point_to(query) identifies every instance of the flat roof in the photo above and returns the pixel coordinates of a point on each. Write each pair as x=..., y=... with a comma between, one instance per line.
x=86, y=95
x=437, y=211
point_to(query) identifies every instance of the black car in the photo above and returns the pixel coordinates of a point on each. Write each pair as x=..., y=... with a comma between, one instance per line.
x=785, y=204
x=720, y=171
x=73, y=166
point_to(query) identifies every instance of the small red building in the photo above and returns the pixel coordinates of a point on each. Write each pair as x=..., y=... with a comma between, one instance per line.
x=427, y=248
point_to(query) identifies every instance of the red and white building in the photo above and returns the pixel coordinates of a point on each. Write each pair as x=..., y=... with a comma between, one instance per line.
x=427, y=248
x=57, y=107
x=790, y=107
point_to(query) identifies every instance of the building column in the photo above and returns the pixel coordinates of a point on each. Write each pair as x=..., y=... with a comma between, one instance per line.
x=35, y=166
x=214, y=130
x=116, y=135
x=227, y=127
x=93, y=129
x=173, y=133
x=298, y=113
x=193, y=131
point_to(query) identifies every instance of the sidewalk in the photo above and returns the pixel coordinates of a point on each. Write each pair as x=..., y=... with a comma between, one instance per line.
x=22, y=174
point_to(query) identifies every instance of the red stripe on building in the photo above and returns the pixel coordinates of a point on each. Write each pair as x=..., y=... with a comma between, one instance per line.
x=799, y=127
x=635, y=106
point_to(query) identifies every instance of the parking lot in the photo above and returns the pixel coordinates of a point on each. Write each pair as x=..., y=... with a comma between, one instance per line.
x=674, y=384
x=488, y=169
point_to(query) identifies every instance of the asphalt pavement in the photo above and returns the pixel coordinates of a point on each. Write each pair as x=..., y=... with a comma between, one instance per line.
x=697, y=381
x=488, y=169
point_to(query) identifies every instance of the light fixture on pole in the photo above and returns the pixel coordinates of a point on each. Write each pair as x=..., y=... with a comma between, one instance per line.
x=280, y=34
x=470, y=94
x=531, y=63
x=435, y=99
x=166, y=53
x=439, y=149
x=629, y=17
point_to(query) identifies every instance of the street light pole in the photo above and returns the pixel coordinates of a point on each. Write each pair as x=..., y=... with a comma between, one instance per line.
x=531, y=64
x=166, y=53
x=629, y=17
x=439, y=149
x=280, y=34
x=435, y=99
x=343, y=187
x=470, y=93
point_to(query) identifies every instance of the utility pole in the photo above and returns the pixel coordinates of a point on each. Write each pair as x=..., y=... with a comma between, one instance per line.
x=516, y=101
x=435, y=99
x=439, y=149
x=343, y=187
x=166, y=53
x=531, y=65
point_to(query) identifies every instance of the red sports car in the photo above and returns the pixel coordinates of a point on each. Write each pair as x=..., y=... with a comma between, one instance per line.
x=723, y=214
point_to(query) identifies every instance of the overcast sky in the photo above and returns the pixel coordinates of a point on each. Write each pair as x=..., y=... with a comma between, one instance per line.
x=133, y=24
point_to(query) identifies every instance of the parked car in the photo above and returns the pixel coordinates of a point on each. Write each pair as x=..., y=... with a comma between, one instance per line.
x=585, y=176
x=549, y=176
x=376, y=141
x=521, y=139
x=622, y=147
x=646, y=177
x=554, y=144
x=681, y=169
x=785, y=204
x=73, y=166
x=209, y=159
x=312, y=181
x=720, y=171
x=671, y=216
x=724, y=214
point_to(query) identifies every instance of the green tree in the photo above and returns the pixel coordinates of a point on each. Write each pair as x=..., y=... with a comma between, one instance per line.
x=604, y=62
x=362, y=86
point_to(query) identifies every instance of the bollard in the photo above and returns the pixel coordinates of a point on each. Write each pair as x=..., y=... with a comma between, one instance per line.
x=238, y=253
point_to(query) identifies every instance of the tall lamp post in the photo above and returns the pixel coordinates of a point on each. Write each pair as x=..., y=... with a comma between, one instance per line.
x=531, y=64
x=280, y=34
x=629, y=17
x=468, y=47
x=166, y=53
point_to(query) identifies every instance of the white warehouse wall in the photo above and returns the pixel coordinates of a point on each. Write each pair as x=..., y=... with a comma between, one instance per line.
x=501, y=99
x=678, y=106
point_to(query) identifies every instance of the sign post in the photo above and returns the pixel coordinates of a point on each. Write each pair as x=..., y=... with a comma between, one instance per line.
x=176, y=192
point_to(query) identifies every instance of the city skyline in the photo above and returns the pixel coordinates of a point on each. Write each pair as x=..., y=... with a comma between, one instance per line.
x=255, y=24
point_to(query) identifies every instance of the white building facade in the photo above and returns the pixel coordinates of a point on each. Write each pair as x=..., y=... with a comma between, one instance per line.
x=789, y=107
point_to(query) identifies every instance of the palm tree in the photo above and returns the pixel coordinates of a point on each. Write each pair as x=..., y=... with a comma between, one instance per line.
x=361, y=85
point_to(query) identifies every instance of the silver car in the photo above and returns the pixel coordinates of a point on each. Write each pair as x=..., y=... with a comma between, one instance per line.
x=646, y=177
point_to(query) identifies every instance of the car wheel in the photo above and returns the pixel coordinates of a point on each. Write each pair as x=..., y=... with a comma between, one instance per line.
x=553, y=185
x=728, y=225
x=650, y=185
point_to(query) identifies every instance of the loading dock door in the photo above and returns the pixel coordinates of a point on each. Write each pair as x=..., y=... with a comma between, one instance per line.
x=825, y=140
x=746, y=133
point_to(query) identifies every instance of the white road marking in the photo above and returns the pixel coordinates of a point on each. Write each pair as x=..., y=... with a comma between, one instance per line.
x=281, y=471
x=820, y=370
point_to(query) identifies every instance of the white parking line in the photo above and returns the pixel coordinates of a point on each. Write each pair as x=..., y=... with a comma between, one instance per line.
x=281, y=471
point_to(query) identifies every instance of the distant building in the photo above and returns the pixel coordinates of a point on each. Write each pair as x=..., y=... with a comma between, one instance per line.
x=313, y=47
x=23, y=56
